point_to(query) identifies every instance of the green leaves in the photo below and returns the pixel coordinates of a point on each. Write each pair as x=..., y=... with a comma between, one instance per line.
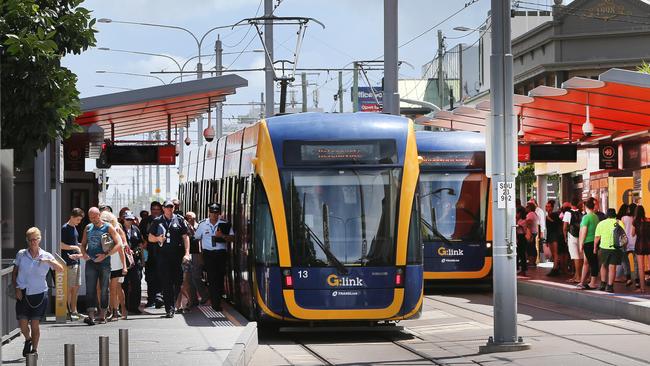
x=39, y=96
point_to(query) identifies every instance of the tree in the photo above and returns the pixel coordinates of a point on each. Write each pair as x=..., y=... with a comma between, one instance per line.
x=39, y=96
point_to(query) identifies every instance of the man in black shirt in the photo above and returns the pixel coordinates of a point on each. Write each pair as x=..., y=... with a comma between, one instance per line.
x=170, y=232
x=70, y=252
x=154, y=297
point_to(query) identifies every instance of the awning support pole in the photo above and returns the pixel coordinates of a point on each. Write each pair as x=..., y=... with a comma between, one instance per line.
x=169, y=129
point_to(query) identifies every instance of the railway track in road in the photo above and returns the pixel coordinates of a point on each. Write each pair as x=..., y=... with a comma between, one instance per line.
x=524, y=304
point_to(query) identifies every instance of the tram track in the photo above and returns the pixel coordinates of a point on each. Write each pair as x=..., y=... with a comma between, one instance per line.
x=539, y=307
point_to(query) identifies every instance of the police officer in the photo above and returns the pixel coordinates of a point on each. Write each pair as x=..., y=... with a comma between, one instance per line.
x=170, y=232
x=154, y=297
x=214, y=233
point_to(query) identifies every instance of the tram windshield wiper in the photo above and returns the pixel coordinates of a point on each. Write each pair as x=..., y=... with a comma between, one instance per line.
x=330, y=256
x=435, y=231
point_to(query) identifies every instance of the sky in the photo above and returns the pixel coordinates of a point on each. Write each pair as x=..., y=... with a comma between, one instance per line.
x=353, y=31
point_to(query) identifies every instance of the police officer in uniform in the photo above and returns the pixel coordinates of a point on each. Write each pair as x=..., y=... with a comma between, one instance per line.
x=214, y=233
x=170, y=232
x=154, y=297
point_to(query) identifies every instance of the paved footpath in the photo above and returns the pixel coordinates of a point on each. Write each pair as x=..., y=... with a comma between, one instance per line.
x=202, y=337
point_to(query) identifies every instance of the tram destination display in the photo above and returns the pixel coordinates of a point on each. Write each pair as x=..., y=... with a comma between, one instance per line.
x=340, y=152
x=454, y=159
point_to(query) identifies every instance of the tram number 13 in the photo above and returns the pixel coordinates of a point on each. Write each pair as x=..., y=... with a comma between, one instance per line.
x=303, y=274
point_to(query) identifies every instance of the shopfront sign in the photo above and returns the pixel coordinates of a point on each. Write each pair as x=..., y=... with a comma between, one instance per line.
x=607, y=157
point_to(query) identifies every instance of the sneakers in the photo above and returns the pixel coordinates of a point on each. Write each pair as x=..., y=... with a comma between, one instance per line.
x=89, y=320
x=602, y=286
x=170, y=314
x=610, y=289
x=27, y=348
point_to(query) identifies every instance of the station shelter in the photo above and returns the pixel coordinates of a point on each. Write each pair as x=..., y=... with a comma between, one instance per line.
x=612, y=161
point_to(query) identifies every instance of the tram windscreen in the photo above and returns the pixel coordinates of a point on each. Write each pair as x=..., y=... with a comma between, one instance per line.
x=341, y=216
x=453, y=206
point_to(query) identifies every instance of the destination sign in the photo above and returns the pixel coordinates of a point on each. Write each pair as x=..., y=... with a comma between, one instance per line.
x=346, y=152
x=454, y=159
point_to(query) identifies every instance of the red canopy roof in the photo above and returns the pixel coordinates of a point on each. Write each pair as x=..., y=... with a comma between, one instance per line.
x=145, y=110
x=618, y=102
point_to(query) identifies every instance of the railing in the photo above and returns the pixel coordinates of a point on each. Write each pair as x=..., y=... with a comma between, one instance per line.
x=8, y=314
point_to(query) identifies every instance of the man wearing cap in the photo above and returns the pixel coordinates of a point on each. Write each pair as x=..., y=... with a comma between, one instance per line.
x=154, y=297
x=131, y=285
x=170, y=232
x=214, y=233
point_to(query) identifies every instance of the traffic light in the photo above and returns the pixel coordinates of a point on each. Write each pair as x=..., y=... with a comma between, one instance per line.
x=102, y=162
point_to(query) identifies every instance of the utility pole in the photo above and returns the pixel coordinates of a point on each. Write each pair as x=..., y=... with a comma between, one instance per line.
x=441, y=80
x=355, y=88
x=303, y=77
x=340, y=93
x=168, y=181
x=502, y=143
x=218, y=51
x=158, y=168
x=137, y=186
x=391, y=92
x=268, y=63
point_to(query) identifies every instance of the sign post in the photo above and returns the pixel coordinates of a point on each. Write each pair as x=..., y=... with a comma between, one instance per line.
x=61, y=291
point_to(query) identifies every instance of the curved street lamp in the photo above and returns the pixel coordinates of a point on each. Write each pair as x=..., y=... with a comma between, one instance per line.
x=130, y=74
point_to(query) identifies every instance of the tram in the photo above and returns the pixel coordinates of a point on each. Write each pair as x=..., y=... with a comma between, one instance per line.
x=455, y=207
x=324, y=208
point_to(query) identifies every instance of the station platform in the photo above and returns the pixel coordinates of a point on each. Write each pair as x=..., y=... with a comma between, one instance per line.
x=624, y=303
x=201, y=337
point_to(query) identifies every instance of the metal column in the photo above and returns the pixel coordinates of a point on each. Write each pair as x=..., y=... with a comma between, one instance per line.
x=503, y=143
x=355, y=88
x=303, y=82
x=218, y=108
x=391, y=93
x=269, y=105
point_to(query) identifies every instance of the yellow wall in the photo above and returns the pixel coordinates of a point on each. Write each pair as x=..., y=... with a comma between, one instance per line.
x=645, y=189
x=621, y=185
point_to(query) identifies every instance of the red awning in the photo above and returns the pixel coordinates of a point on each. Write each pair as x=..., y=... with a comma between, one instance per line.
x=618, y=103
x=146, y=110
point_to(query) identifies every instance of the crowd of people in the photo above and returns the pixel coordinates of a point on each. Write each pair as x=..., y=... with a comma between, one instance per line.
x=593, y=249
x=183, y=262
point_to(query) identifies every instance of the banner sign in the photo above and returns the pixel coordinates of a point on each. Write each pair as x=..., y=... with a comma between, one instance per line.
x=367, y=101
x=607, y=157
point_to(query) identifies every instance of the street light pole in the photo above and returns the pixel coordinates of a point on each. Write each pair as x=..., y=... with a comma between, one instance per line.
x=269, y=90
x=391, y=92
x=218, y=51
x=502, y=145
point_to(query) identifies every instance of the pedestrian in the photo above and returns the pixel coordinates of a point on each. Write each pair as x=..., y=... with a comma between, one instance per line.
x=590, y=251
x=71, y=253
x=154, y=296
x=554, y=238
x=98, y=264
x=28, y=278
x=609, y=256
x=642, y=248
x=170, y=233
x=541, y=231
x=532, y=220
x=214, y=233
x=523, y=237
x=626, y=215
x=177, y=207
x=119, y=269
x=572, y=219
x=132, y=282
x=198, y=291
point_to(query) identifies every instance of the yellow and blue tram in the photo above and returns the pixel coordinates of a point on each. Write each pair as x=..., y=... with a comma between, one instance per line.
x=454, y=207
x=324, y=208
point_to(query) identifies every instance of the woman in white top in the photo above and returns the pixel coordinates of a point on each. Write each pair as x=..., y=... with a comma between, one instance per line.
x=118, y=271
x=625, y=213
x=30, y=269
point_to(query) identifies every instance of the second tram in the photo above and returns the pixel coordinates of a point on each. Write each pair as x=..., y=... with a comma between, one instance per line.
x=325, y=216
x=454, y=207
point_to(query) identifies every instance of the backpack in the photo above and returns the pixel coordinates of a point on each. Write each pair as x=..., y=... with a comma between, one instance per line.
x=620, y=238
x=574, y=225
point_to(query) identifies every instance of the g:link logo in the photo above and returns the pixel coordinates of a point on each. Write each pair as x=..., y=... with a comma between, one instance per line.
x=336, y=281
x=449, y=252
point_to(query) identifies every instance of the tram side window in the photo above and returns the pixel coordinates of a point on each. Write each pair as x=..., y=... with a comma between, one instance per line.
x=264, y=233
x=415, y=246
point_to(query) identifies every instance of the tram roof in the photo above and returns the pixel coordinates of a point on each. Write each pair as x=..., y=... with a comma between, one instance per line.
x=450, y=141
x=618, y=102
x=146, y=110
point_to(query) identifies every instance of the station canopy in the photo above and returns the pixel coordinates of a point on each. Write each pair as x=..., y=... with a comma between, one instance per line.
x=150, y=109
x=618, y=103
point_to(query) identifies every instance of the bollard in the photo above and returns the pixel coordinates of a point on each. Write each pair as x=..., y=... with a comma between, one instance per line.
x=103, y=351
x=31, y=359
x=124, y=347
x=68, y=354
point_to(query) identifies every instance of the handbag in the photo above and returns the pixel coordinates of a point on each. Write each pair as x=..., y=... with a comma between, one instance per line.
x=107, y=243
x=128, y=253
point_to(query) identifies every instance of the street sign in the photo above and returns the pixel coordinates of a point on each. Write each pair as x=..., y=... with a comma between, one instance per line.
x=506, y=195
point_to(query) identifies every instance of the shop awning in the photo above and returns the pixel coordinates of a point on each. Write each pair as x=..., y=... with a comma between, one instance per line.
x=149, y=109
x=618, y=104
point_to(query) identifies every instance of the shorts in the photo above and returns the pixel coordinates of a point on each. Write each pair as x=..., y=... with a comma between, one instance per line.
x=117, y=273
x=32, y=307
x=574, y=248
x=74, y=275
x=609, y=257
